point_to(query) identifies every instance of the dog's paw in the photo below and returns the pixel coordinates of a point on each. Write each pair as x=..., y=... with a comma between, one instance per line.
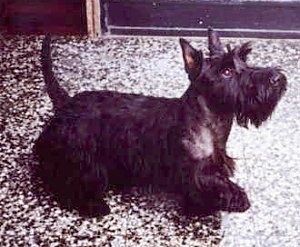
x=234, y=200
x=239, y=202
x=94, y=209
x=194, y=209
x=202, y=207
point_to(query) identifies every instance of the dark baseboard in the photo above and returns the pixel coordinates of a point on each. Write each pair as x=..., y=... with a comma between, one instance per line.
x=266, y=19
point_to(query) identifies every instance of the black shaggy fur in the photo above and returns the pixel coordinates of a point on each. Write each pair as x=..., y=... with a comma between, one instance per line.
x=103, y=140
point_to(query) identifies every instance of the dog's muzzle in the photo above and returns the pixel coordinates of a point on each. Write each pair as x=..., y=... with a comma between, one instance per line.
x=278, y=79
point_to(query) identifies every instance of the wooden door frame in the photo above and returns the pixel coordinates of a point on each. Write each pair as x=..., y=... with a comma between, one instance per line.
x=93, y=14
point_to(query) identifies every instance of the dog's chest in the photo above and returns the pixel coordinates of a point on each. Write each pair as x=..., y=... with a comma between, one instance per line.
x=199, y=142
x=206, y=134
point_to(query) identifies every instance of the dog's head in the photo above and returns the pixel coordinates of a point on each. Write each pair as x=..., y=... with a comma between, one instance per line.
x=229, y=84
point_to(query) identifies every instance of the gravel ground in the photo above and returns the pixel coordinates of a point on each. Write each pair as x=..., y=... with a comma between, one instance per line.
x=267, y=158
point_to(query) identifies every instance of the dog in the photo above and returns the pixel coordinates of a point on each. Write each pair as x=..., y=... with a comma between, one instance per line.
x=104, y=140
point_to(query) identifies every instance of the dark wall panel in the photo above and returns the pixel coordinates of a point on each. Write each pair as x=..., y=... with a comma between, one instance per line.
x=44, y=16
x=193, y=17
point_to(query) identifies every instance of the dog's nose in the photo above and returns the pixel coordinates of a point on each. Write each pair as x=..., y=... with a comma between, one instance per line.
x=277, y=79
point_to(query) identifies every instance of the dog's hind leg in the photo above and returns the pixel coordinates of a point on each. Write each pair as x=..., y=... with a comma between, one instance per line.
x=74, y=184
x=91, y=187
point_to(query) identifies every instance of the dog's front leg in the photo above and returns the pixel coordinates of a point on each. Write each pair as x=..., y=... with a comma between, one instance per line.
x=207, y=190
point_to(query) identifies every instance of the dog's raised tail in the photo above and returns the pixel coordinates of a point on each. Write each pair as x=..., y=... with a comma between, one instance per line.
x=57, y=94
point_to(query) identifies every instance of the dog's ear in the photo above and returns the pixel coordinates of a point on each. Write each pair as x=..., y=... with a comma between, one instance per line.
x=192, y=58
x=244, y=50
x=214, y=44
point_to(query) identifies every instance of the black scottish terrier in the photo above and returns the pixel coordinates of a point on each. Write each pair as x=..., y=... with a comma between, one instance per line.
x=102, y=140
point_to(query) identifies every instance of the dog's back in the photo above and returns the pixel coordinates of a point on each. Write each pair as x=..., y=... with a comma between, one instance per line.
x=100, y=135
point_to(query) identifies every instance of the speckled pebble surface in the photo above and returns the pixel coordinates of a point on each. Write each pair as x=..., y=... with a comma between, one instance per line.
x=267, y=158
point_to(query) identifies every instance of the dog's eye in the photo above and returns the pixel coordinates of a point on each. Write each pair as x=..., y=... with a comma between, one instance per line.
x=227, y=72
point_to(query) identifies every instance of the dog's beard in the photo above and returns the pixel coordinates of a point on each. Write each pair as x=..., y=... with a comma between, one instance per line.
x=249, y=106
